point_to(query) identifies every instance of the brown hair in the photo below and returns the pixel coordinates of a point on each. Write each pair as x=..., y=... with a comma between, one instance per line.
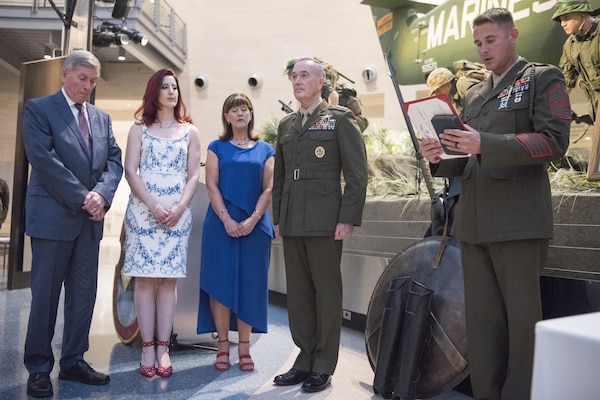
x=500, y=16
x=236, y=100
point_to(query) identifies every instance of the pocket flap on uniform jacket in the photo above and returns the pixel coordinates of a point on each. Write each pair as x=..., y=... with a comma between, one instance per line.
x=321, y=135
x=517, y=173
x=321, y=187
x=286, y=139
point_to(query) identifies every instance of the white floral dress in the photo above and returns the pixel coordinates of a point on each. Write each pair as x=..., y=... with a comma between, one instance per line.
x=151, y=249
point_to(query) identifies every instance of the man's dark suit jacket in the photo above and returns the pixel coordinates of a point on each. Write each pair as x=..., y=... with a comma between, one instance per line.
x=62, y=169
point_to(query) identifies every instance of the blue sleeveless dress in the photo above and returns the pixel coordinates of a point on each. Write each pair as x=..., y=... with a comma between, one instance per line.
x=234, y=271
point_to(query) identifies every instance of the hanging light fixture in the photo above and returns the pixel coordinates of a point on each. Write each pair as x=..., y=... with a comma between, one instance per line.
x=108, y=34
x=121, y=56
x=135, y=36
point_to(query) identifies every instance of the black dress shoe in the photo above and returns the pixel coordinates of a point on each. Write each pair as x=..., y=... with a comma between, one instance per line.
x=316, y=382
x=39, y=385
x=292, y=377
x=82, y=372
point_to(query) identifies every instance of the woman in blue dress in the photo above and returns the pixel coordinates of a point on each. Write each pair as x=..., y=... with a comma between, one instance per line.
x=237, y=234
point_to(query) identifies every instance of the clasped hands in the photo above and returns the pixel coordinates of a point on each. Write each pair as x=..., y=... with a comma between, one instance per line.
x=468, y=141
x=235, y=229
x=168, y=216
x=94, y=204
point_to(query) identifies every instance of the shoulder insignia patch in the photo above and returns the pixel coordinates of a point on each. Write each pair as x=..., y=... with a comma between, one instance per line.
x=558, y=102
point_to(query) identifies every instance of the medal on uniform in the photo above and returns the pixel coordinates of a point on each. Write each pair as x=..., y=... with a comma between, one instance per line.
x=521, y=86
x=324, y=123
x=518, y=88
x=504, y=97
x=518, y=97
x=320, y=152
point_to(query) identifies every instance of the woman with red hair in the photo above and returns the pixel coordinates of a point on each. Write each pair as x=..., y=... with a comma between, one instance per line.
x=162, y=165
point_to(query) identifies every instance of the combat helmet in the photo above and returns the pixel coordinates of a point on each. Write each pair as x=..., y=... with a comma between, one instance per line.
x=563, y=7
x=438, y=78
x=289, y=65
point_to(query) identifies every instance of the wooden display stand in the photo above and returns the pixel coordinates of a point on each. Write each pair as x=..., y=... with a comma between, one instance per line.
x=593, y=174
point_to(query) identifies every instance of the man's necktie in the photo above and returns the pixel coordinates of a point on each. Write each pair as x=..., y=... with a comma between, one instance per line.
x=305, y=116
x=83, y=126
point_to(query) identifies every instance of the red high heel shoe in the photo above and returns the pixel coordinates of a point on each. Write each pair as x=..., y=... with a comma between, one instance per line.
x=247, y=365
x=165, y=372
x=222, y=365
x=148, y=372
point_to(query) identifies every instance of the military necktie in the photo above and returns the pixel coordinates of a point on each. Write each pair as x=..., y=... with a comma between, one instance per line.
x=83, y=126
x=305, y=116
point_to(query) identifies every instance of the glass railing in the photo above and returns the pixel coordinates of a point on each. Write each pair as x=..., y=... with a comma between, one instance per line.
x=33, y=3
x=166, y=20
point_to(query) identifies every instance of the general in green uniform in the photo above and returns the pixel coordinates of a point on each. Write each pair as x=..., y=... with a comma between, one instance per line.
x=314, y=212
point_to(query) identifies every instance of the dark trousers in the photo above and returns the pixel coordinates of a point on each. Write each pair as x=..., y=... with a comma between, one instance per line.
x=76, y=264
x=314, y=300
x=502, y=306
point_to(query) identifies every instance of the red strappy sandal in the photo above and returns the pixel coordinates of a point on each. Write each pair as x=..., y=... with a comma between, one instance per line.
x=222, y=365
x=162, y=371
x=148, y=372
x=247, y=365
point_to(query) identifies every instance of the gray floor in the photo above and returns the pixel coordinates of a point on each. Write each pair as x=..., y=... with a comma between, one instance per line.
x=194, y=377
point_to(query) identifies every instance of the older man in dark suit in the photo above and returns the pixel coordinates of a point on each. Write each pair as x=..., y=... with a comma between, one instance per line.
x=75, y=169
x=314, y=215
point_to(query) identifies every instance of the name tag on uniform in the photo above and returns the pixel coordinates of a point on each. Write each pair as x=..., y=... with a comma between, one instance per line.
x=324, y=123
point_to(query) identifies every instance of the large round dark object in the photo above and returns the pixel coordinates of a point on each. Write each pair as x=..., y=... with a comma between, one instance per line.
x=124, y=317
x=443, y=365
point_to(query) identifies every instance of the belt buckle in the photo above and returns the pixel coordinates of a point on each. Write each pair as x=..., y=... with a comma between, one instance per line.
x=296, y=174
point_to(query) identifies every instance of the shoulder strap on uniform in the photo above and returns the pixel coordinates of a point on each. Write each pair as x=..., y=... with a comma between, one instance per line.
x=519, y=75
x=532, y=93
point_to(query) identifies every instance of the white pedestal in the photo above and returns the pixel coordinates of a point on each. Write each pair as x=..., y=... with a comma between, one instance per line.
x=567, y=358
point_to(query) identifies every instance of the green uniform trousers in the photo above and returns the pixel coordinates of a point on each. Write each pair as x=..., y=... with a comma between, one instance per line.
x=502, y=306
x=314, y=300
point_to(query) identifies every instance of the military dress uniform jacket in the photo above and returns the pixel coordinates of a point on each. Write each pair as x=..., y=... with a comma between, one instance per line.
x=505, y=189
x=308, y=199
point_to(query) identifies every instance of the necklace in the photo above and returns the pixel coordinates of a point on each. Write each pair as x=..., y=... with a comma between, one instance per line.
x=238, y=142
x=160, y=124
